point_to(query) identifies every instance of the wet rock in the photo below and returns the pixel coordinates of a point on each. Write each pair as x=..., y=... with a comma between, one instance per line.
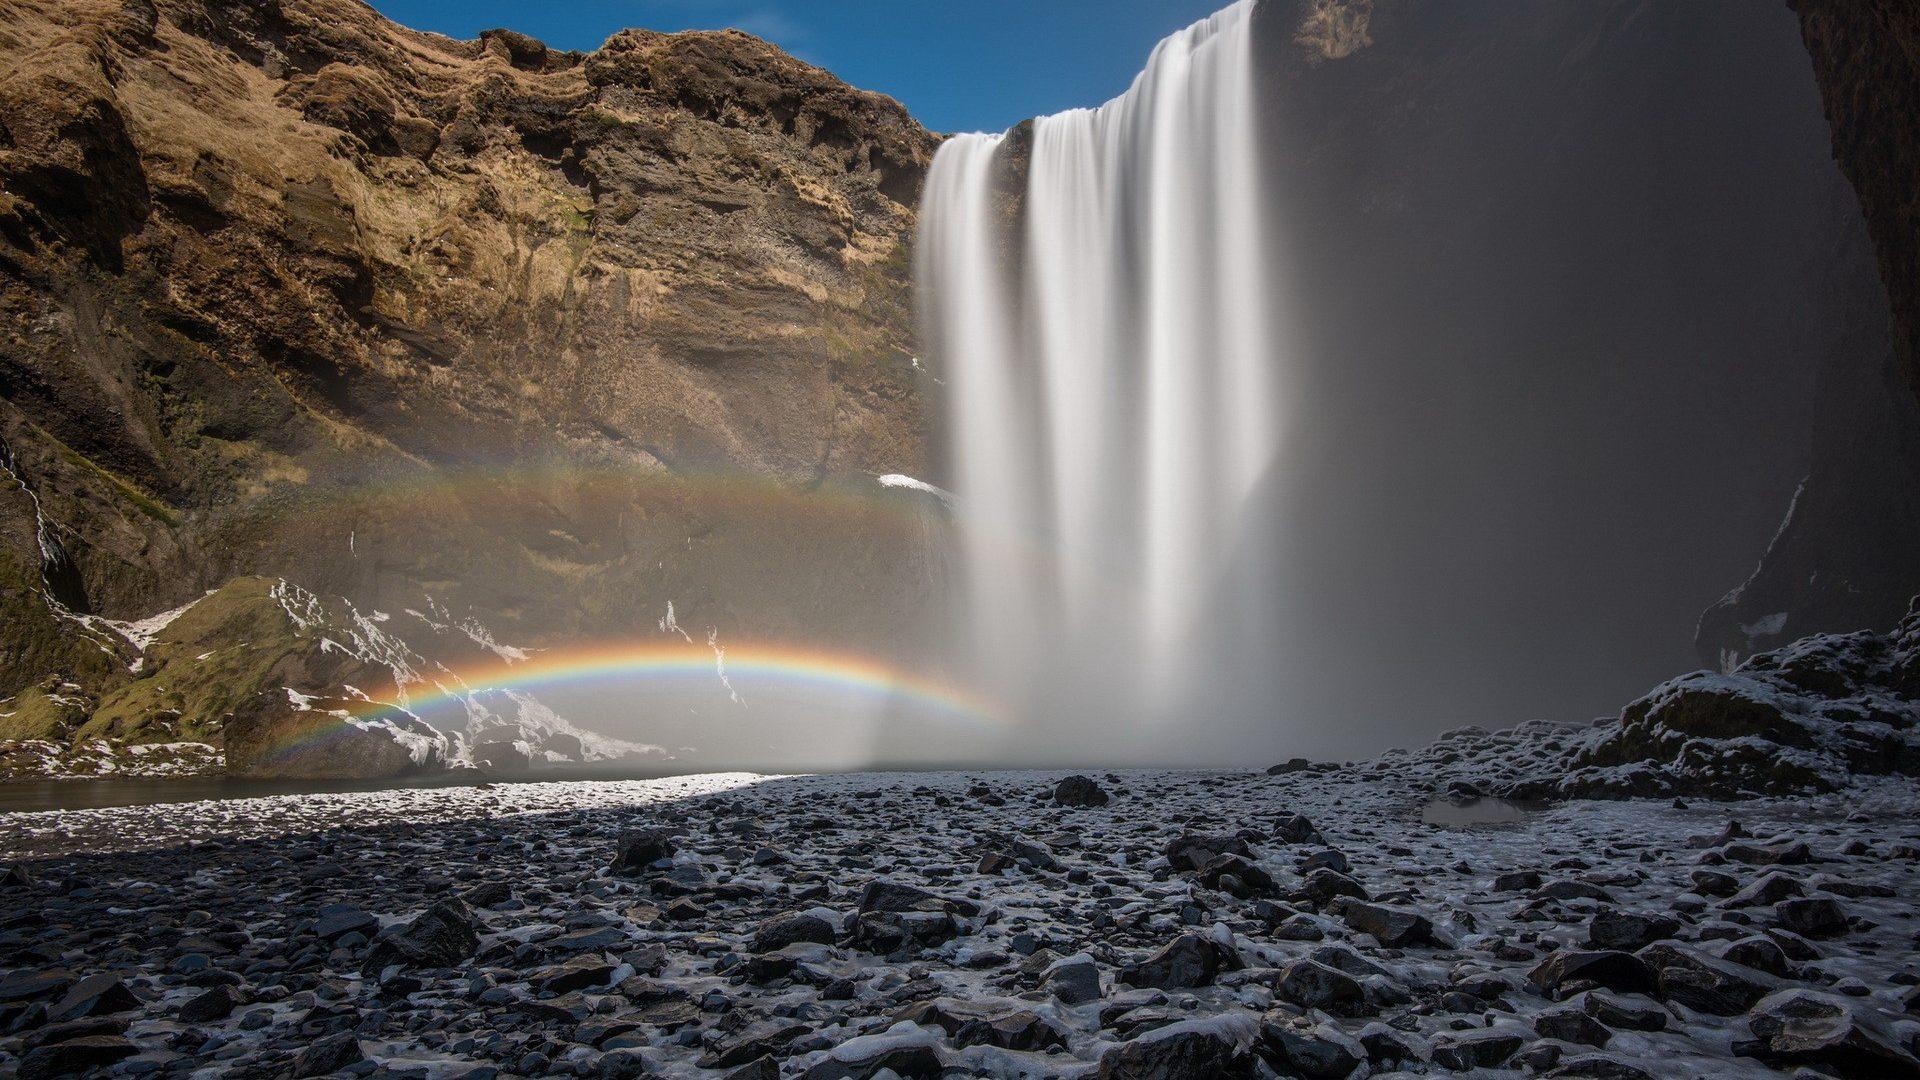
x=75, y=1057
x=882, y=895
x=1573, y=1025
x=888, y=932
x=1079, y=791
x=1714, y=883
x=1483, y=1049
x=1612, y=928
x=752, y=1046
x=1192, y=851
x=1318, y=1050
x=1705, y=983
x=1760, y=953
x=1806, y=1027
x=441, y=936
x=329, y=1055
x=1393, y=927
x=1313, y=985
x=1325, y=885
x=1623, y=1013
x=1598, y=1067
x=1793, y=854
x=1194, y=1050
x=1187, y=961
x=95, y=995
x=790, y=928
x=338, y=920
x=868, y=1056
x=1296, y=829
x=1236, y=876
x=1517, y=881
x=1018, y=1030
x=217, y=1003
x=1571, y=969
x=1813, y=917
x=640, y=850
x=1768, y=888
x=1075, y=980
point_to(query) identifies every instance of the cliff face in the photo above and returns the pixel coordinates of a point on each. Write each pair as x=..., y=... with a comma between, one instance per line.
x=1844, y=556
x=1866, y=57
x=285, y=288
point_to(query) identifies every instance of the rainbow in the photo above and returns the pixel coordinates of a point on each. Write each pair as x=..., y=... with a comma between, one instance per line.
x=754, y=665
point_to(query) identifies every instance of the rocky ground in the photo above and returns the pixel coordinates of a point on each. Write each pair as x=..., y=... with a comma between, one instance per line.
x=1005, y=924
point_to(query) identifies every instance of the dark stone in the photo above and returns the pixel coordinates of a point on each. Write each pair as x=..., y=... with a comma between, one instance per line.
x=1598, y=1067
x=329, y=1055
x=74, y=1057
x=1813, y=917
x=1573, y=1026
x=217, y=1003
x=1623, y=1013
x=1392, y=927
x=1612, y=928
x=1313, y=985
x=1517, y=881
x=887, y=932
x=1318, y=1051
x=441, y=936
x=746, y=1048
x=1079, y=791
x=1234, y=875
x=1323, y=885
x=1805, y=1027
x=1074, y=980
x=1177, y=1053
x=95, y=995
x=1187, y=961
x=790, y=928
x=1191, y=851
x=638, y=850
x=1291, y=765
x=339, y=920
x=1475, y=1049
x=907, y=1062
x=1614, y=970
x=1020, y=1030
x=1705, y=983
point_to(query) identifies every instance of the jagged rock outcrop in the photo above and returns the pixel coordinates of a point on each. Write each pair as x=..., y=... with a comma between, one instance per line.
x=288, y=289
x=1809, y=717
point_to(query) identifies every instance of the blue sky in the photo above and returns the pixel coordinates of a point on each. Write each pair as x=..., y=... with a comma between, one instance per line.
x=959, y=65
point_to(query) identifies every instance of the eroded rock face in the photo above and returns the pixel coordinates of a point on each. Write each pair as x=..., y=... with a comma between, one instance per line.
x=285, y=284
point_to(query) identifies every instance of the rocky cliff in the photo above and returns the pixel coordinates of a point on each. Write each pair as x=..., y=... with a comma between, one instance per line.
x=1843, y=557
x=288, y=289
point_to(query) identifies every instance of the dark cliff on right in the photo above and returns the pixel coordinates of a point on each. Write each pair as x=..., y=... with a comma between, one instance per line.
x=1844, y=557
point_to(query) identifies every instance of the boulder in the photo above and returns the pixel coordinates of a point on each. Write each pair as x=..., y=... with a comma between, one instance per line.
x=1079, y=791
x=1187, y=961
x=442, y=936
x=1826, y=1032
x=1393, y=927
x=1313, y=985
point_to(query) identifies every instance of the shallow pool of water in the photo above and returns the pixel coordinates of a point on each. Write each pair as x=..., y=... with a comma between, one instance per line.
x=1484, y=811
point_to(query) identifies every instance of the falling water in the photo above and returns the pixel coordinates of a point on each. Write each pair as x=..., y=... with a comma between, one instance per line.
x=1097, y=296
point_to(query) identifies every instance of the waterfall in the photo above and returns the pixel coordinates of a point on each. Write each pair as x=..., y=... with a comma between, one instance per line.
x=1095, y=291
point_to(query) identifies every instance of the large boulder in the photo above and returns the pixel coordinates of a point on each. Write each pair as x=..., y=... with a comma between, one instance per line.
x=1830, y=1034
